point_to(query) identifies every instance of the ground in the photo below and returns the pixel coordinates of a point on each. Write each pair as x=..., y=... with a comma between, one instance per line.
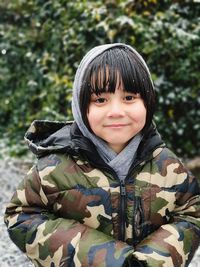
x=11, y=171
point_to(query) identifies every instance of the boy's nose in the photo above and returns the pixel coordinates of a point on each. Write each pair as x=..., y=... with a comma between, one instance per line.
x=116, y=110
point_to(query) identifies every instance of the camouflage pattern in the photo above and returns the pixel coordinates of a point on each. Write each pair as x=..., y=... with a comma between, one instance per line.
x=66, y=213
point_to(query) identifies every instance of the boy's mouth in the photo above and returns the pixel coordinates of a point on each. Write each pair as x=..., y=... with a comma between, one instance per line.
x=116, y=125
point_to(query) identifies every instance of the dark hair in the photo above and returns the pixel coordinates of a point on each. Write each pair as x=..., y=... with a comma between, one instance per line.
x=103, y=73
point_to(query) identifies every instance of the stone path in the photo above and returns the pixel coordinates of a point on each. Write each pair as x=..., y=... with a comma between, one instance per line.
x=11, y=171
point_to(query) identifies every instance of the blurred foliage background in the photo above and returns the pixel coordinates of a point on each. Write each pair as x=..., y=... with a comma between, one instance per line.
x=42, y=43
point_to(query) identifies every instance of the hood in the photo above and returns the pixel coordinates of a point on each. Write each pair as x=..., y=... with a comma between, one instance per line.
x=44, y=137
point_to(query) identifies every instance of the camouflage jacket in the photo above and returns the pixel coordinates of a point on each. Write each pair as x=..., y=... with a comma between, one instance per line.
x=72, y=210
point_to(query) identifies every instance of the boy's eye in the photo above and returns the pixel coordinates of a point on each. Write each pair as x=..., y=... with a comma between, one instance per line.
x=100, y=100
x=129, y=98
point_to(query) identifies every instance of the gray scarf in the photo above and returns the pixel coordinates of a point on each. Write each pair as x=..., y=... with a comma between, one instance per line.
x=119, y=162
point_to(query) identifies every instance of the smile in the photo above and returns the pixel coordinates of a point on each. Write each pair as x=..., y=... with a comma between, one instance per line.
x=115, y=125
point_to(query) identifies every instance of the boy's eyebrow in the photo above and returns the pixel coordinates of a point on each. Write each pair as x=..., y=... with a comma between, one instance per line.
x=99, y=91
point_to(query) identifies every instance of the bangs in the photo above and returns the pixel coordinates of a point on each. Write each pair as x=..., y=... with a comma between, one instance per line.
x=114, y=69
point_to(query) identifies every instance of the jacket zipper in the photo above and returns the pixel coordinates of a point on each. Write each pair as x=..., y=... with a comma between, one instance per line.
x=122, y=211
x=122, y=219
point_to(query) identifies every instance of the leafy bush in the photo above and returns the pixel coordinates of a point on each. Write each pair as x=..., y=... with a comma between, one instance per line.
x=42, y=43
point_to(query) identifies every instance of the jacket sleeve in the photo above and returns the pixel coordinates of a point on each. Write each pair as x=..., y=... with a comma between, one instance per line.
x=174, y=243
x=50, y=240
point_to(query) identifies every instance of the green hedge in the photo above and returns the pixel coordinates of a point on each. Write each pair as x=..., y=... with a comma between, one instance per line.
x=42, y=43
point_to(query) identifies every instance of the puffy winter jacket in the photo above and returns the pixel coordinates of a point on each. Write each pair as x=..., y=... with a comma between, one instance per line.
x=72, y=210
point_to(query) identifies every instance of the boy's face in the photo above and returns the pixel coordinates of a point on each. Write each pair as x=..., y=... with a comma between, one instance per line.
x=116, y=117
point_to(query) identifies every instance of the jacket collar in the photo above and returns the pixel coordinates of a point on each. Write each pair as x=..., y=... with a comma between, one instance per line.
x=45, y=137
